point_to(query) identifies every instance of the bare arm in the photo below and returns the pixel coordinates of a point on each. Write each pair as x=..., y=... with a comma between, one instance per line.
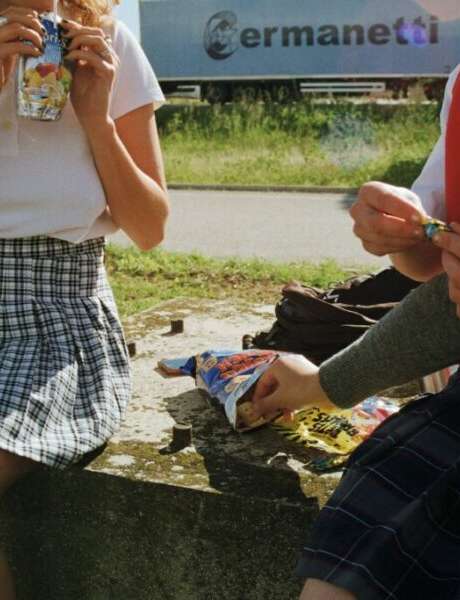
x=127, y=151
x=129, y=162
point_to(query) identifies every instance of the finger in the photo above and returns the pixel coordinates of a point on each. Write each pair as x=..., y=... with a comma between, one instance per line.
x=378, y=223
x=94, y=42
x=451, y=265
x=14, y=48
x=268, y=405
x=16, y=31
x=385, y=199
x=18, y=9
x=73, y=29
x=88, y=57
x=448, y=241
x=266, y=385
x=381, y=245
x=27, y=18
x=372, y=237
x=288, y=415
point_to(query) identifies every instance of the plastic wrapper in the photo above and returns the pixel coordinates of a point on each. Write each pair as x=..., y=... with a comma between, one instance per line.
x=336, y=433
x=229, y=377
x=433, y=226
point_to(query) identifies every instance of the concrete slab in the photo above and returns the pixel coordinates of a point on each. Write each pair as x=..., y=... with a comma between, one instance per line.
x=223, y=518
x=218, y=456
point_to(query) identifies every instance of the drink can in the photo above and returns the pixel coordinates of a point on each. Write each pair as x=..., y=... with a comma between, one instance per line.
x=43, y=82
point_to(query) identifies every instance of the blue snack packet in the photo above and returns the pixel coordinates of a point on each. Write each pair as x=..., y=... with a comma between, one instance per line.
x=230, y=377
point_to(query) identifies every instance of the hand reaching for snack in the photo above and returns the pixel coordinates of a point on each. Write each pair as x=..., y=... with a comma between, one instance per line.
x=291, y=383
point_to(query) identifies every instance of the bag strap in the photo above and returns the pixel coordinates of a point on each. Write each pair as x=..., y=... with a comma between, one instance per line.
x=452, y=158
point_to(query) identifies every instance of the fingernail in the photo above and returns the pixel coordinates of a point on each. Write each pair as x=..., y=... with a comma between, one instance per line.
x=436, y=238
x=416, y=219
x=418, y=232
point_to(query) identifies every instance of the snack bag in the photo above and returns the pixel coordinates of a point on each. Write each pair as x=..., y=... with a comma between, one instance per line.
x=336, y=433
x=230, y=377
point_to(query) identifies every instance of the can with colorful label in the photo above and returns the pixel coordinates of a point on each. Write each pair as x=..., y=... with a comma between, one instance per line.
x=43, y=82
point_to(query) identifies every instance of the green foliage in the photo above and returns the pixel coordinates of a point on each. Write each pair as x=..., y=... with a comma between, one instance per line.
x=142, y=279
x=297, y=143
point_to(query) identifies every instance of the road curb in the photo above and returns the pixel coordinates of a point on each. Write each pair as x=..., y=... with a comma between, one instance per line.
x=298, y=189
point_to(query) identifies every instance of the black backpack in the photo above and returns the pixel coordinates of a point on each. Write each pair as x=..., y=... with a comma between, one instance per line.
x=318, y=323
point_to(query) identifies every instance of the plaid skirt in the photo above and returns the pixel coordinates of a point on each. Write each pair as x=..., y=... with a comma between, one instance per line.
x=392, y=527
x=64, y=372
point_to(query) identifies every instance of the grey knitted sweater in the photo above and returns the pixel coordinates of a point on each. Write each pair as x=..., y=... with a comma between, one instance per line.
x=418, y=337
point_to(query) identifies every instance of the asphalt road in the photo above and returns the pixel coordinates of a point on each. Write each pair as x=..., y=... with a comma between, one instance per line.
x=275, y=226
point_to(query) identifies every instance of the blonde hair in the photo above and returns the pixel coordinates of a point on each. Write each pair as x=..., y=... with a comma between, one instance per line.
x=89, y=12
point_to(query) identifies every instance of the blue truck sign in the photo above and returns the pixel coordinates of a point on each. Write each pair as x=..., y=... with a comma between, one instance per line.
x=229, y=41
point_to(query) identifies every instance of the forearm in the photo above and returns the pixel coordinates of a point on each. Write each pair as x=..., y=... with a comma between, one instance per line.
x=421, y=262
x=418, y=337
x=138, y=204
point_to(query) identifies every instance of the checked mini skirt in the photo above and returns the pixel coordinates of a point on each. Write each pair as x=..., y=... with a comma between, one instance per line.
x=391, y=530
x=64, y=372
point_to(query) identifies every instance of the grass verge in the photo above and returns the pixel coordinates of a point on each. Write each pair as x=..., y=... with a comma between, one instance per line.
x=141, y=280
x=299, y=143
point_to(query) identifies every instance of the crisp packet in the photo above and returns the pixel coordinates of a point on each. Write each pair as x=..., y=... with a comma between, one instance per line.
x=336, y=433
x=229, y=376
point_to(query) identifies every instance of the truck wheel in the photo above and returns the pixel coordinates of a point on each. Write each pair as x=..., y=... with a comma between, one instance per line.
x=217, y=93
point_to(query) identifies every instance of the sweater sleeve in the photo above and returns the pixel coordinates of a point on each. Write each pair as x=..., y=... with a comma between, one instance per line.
x=418, y=337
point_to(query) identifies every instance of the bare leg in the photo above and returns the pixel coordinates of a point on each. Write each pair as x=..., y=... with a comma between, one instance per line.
x=12, y=468
x=321, y=590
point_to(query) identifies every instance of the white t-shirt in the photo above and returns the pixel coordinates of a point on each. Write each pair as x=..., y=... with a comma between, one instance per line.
x=48, y=181
x=430, y=185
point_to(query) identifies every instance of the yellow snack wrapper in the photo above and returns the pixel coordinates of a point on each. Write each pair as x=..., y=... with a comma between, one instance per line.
x=336, y=432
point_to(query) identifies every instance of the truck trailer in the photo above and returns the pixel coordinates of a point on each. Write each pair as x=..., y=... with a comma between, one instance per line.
x=229, y=48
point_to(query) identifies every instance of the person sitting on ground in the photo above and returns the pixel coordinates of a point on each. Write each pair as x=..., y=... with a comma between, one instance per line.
x=392, y=527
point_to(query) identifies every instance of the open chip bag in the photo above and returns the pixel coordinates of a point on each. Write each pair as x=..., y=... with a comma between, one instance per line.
x=230, y=377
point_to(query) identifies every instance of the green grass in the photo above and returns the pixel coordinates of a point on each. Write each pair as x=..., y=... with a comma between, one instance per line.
x=141, y=280
x=297, y=143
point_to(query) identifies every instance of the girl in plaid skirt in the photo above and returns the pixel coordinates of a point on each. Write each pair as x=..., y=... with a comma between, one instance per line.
x=391, y=530
x=64, y=375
